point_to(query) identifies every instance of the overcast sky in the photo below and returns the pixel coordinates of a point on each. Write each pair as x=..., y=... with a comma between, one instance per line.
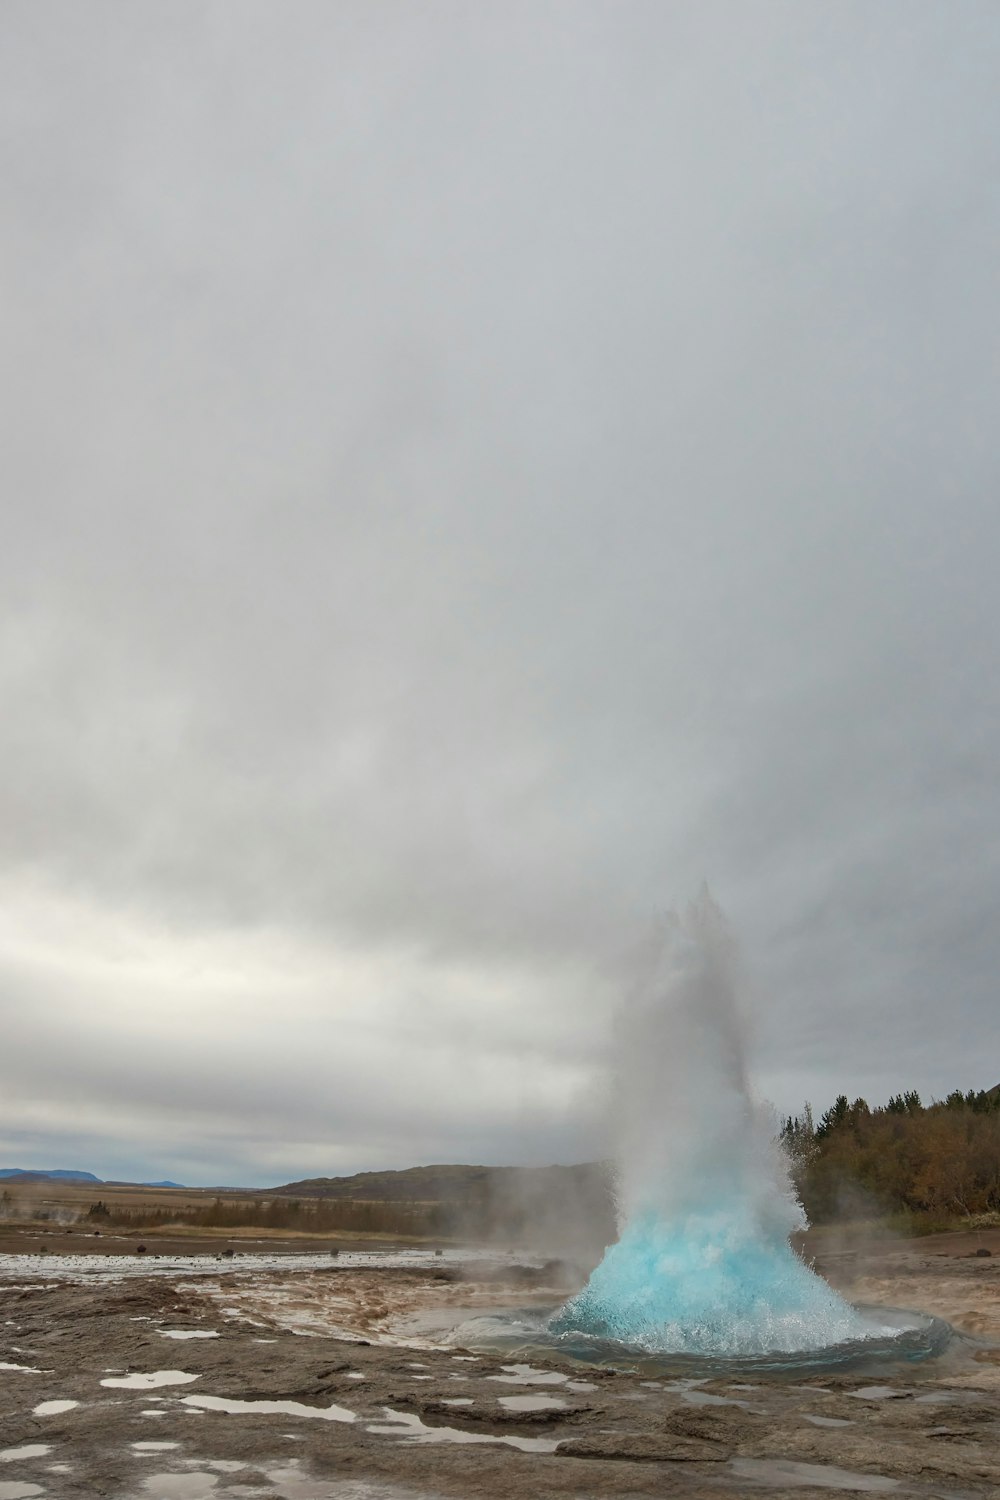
x=470, y=473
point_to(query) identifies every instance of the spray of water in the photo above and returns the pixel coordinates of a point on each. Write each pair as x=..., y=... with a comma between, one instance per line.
x=703, y=1263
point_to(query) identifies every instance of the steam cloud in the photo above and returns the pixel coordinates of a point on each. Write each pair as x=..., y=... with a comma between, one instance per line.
x=706, y=1205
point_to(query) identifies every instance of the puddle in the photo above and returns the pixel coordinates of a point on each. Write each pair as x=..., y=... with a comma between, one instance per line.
x=533, y=1403
x=528, y=1375
x=153, y=1411
x=777, y=1472
x=285, y=1408
x=186, y=1333
x=407, y=1425
x=14, y=1489
x=153, y=1447
x=178, y=1486
x=705, y=1398
x=354, y=1375
x=147, y=1380
x=29, y=1450
x=293, y=1484
x=827, y=1421
x=879, y=1393
x=53, y=1408
x=458, y=1401
x=580, y=1385
x=21, y=1369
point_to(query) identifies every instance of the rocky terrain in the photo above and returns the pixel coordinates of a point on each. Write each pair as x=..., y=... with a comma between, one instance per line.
x=323, y=1380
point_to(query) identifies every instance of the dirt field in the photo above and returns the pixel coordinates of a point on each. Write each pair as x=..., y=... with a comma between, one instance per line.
x=182, y=1240
x=314, y=1378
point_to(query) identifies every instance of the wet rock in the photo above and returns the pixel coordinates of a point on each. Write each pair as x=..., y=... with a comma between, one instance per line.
x=643, y=1447
x=947, y=1443
x=728, y=1426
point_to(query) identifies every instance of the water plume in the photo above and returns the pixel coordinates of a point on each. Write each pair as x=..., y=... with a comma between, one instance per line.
x=706, y=1206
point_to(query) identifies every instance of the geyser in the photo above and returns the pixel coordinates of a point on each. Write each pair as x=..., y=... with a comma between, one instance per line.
x=706, y=1206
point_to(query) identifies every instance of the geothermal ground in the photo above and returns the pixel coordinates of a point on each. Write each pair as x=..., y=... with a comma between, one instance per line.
x=320, y=1378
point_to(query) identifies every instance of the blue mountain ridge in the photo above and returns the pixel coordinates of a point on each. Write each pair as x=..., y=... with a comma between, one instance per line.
x=61, y=1174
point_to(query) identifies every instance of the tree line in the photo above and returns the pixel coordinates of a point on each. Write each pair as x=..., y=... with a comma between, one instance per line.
x=315, y=1216
x=925, y=1164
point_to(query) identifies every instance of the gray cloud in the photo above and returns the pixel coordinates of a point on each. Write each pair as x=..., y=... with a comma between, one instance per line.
x=470, y=476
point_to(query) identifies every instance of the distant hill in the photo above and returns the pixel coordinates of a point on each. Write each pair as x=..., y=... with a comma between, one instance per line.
x=39, y=1174
x=129, y=1182
x=557, y=1207
x=410, y=1184
x=42, y=1174
x=445, y=1184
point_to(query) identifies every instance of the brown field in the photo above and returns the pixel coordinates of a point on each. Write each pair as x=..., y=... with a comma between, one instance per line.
x=58, y=1218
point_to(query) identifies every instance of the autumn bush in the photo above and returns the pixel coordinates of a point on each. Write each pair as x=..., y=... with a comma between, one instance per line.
x=315, y=1216
x=923, y=1164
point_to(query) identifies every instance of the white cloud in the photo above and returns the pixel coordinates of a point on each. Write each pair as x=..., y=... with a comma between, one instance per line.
x=470, y=477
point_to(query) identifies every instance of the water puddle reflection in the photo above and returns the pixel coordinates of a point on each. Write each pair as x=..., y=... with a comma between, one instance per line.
x=528, y=1375
x=290, y=1481
x=780, y=1473
x=283, y=1408
x=533, y=1403
x=705, y=1398
x=147, y=1380
x=178, y=1486
x=409, y=1426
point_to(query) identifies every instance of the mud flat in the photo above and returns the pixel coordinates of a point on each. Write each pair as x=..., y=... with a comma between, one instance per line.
x=318, y=1378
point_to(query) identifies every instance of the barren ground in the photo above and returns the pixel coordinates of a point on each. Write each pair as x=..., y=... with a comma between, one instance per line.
x=352, y=1413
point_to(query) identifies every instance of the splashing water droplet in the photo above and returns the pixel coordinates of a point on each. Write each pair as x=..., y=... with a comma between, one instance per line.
x=703, y=1263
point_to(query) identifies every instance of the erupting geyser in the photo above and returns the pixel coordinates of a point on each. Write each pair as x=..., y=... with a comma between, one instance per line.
x=703, y=1264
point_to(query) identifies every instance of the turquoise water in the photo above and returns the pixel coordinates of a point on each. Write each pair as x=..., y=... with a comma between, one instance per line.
x=892, y=1339
x=712, y=1285
x=703, y=1267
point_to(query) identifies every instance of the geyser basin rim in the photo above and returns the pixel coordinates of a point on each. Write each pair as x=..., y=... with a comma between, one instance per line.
x=898, y=1337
